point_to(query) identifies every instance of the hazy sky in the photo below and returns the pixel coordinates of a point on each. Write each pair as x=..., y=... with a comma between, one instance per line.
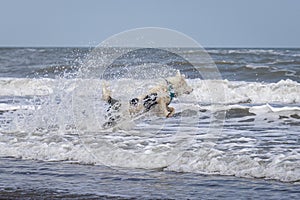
x=213, y=23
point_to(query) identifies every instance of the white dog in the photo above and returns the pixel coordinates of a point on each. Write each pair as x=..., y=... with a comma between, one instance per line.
x=158, y=100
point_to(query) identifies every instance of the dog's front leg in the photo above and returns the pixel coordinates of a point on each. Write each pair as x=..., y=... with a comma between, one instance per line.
x=162, y=107
x=171, y=111
x=167, y=110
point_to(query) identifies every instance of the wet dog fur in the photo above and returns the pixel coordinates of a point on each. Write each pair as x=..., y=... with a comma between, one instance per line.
x=157, y=99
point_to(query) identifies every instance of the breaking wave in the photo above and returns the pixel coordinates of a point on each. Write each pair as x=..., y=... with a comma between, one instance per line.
x=37, y=122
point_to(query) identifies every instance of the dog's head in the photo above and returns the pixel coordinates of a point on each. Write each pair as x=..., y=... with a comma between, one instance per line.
x=179, y=84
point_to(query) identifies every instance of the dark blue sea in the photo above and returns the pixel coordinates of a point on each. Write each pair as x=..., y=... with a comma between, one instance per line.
x=235, y=136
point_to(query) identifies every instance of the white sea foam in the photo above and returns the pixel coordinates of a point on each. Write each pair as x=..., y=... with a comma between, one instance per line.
x=25, y=87
x=41, y=126
x=251, y=66
x=269, y=109
x=212, y=161
x=55, y=147
x=255, y=51
x=284, y=91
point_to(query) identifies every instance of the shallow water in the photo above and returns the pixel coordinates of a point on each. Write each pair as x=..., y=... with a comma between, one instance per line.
x=233, y=137
x=27, y=179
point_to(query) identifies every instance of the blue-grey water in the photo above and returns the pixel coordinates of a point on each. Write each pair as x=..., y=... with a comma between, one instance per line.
x=233, y=137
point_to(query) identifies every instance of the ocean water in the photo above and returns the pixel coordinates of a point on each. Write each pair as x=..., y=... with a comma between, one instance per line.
x=237, y=136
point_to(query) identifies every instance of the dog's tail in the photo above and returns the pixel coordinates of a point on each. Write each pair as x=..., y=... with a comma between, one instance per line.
x=106, y=92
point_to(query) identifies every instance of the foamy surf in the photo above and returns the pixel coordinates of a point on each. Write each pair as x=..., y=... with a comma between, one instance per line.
x=37, y=122
x=228, y=138
x=284, y=91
